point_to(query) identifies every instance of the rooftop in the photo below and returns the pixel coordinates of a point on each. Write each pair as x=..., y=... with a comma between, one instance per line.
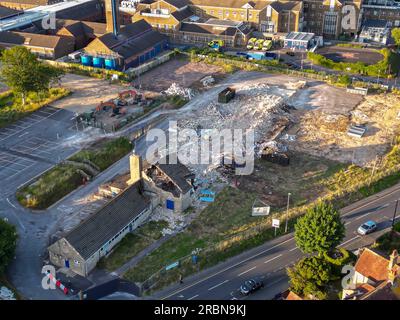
x=100, y=227
x=300, y=36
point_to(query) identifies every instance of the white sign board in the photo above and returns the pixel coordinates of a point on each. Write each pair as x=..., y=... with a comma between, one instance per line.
x=261, y=211
x=275, y=223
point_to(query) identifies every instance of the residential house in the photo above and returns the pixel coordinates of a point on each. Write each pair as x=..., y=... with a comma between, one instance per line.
x=372, y=273
x=81, y=249
x=26, y=4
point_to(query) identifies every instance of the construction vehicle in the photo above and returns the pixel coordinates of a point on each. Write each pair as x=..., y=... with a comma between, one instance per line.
x=258, y=44
x=104, y=106
x=251, y=42
x=216, y=45
x=267, y=44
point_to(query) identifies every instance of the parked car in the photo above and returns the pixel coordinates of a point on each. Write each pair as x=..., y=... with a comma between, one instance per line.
x=250, y=286
x=367, y=227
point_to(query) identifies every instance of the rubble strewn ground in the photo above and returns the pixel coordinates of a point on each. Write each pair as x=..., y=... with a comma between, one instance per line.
x=178, y=70
x=324, y=133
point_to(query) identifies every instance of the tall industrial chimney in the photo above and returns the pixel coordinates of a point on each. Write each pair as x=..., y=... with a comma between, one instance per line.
x=112, y=16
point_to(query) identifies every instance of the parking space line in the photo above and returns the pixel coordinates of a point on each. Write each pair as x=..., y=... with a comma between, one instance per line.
x=30, y=125
x=195, y=296
x=295, y=248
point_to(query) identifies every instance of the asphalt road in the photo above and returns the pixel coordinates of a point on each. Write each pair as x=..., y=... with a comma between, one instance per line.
x=269, y=261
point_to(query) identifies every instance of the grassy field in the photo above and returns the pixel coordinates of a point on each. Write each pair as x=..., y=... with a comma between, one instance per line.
x=64, y=178
x=132, y=244
x=12, y=109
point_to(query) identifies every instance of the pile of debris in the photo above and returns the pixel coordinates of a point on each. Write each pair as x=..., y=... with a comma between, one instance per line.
x=176, y=90
x=257, y=106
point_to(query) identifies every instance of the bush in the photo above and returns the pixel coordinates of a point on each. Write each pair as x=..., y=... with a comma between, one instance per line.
x=8, y=243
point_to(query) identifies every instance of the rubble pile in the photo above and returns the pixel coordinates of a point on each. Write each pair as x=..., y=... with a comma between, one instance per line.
x=175, y=221
x=176, y=90
x=256, y=106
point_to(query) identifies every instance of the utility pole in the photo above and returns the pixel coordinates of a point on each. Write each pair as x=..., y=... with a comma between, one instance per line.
x=394, y=213
x=287, y=211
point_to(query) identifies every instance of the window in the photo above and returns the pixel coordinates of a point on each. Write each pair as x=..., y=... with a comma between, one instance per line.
x=220, y=13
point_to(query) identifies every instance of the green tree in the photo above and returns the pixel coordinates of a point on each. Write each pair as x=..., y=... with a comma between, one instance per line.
x=319, y=230
x=396, y=35
x=24, y=73
x=344, y=79
x=8, y=242
x=309, y=277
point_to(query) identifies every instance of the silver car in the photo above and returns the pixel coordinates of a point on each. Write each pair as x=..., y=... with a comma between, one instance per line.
x=367, y=227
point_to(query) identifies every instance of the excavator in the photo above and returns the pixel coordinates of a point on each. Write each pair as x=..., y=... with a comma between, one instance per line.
x=128, y=97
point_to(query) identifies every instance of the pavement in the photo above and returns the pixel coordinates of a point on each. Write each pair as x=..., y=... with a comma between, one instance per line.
x=269, y=261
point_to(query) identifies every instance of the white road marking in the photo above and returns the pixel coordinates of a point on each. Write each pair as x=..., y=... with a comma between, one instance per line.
x=246, y=271
x=344, y=243
x=269, y=260
x=276, y=281
x=347, y=223
x=295, y=248
x=195, y=296
x=227, y=268
x=217, y=285
x=364, y=215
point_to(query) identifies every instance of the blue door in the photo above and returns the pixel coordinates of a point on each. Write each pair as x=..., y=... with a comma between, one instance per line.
x=170, y=204
x=66, y=263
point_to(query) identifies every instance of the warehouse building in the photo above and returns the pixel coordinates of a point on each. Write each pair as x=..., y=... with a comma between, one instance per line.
x=81, y=249
x=133, y=45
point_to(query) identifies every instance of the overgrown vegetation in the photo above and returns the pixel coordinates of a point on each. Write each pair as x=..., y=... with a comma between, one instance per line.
x=385, y=68
x=8, y=243
x=65, y=177
x=12, y=108
x=30, y=83
x=389, y=241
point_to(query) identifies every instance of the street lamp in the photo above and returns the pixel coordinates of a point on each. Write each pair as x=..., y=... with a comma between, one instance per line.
x=394, y=213
x=287, y=211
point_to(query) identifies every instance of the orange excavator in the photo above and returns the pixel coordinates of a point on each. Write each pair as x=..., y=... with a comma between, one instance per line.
x=129, y=97
x=104, y=105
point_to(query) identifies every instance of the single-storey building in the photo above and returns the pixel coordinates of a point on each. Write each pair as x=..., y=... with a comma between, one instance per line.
x=299, y=40
x=44, y=46
x=81, y=249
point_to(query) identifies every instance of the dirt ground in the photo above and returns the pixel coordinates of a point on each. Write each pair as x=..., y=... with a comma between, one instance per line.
x=324, y=133
x=87, y=93
x=178, y=70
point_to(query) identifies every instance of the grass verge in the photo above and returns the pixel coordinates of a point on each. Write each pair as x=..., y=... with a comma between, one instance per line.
x=64, y=178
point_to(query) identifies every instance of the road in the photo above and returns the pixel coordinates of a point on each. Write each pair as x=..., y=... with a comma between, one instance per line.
x=270, y=260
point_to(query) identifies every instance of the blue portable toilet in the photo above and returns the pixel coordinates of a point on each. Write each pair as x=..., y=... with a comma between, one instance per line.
x=170, y=204
x=98, y=62
x=86, y=60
